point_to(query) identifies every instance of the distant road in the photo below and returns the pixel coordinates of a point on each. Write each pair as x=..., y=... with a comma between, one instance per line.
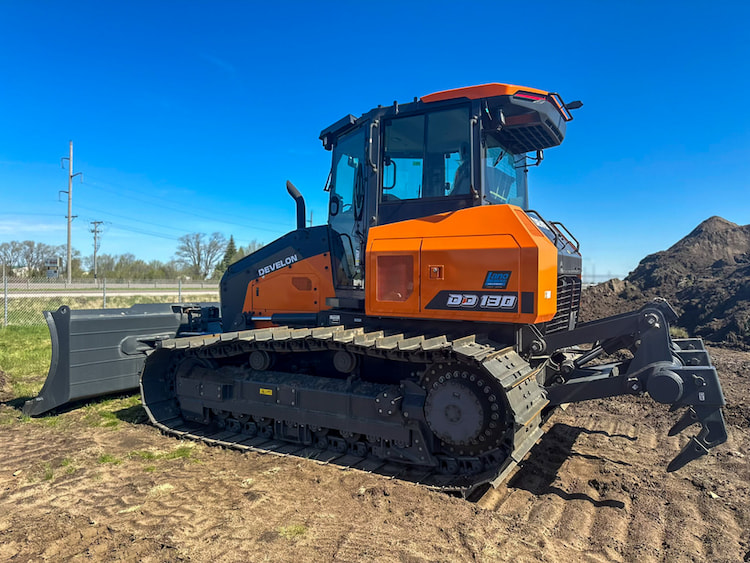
x=110, y=293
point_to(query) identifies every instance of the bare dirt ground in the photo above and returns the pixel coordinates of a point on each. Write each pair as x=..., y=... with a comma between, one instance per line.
x=593, y=489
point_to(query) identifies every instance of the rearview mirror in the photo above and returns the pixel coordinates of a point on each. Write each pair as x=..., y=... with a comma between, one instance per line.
x=334, y=205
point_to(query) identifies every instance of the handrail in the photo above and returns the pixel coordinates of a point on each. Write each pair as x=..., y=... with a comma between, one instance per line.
x=550, y=227
x=577, y=244
x=370, y=162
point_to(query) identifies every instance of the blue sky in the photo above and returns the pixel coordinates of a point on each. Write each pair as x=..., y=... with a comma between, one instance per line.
x=190, y=116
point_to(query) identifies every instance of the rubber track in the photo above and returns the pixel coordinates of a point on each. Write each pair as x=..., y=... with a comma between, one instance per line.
x=504, y=365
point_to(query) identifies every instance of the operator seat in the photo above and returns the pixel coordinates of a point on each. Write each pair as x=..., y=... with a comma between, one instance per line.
x=462, y=179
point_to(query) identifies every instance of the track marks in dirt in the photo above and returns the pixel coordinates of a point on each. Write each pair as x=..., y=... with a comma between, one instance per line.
x=595, y=486
x=594, y=489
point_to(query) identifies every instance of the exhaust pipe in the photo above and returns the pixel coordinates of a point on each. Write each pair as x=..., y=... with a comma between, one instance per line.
x=294, y=192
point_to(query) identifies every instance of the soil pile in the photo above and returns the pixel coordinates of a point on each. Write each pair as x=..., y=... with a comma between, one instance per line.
x=705, y=276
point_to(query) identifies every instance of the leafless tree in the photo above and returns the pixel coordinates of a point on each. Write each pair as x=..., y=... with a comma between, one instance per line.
x=10, y=254
x=33, y=254
x=200, y=254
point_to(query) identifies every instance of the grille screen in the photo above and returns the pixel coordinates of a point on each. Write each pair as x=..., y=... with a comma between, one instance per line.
x=568, y=300
x=530, y=137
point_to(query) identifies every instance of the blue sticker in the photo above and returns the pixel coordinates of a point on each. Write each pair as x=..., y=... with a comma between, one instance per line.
x=497, y=280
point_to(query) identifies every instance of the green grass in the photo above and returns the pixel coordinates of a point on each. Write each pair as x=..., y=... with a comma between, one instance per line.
x=8, y=416
x=183, y=452
x=108, y=413
x=293, y=531
x=49, y=474
x=68, y=465
x=143, y=454
x=46, y=471
x=25, y=357
x=109, y=458
x=678, y=332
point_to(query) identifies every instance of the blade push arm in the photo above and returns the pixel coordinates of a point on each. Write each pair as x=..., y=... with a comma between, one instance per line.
x=675, y=372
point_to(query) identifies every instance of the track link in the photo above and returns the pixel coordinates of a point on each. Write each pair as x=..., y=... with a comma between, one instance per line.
x=193, y=387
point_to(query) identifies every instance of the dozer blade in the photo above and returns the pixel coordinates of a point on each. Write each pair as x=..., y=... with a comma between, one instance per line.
x=101, y=351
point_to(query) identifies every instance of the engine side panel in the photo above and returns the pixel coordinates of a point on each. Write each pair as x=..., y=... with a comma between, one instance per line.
x=291, y=274
x=488, y=263
x=298, y=287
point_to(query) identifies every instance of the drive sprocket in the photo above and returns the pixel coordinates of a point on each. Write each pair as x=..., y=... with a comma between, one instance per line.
x=464, y=409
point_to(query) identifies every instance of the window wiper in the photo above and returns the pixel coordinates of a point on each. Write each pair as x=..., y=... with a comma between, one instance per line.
x=498, y=159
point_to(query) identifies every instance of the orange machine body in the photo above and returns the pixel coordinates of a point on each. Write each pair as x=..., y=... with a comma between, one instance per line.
x=293, y=287
x=488, y=263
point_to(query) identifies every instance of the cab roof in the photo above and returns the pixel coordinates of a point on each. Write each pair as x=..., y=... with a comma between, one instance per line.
x=495, y=89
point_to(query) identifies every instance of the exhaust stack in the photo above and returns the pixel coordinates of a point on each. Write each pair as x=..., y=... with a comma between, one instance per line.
x=294, y=192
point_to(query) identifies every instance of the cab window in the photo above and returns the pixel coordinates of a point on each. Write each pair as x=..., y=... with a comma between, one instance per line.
x=427, y=156
x=504, y=177
x=346, y=206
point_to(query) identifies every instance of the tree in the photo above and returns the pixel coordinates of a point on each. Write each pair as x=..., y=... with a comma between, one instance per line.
x=105, y=264
x=234, y=254
x=251, y=247
x=32, y=256
x=200, y=254
x=10, y=255
x=229, y=252
x=230, y=255
x=75, y=260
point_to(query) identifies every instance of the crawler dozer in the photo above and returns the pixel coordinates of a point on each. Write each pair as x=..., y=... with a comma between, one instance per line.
x=428, y=330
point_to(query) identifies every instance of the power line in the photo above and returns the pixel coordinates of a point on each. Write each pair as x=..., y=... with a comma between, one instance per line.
x=126, y=218
x=143, y=232
x=27, y=213
x=223, y=221
x=222, y=218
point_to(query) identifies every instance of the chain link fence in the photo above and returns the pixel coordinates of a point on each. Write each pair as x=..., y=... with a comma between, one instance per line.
x=22, y=300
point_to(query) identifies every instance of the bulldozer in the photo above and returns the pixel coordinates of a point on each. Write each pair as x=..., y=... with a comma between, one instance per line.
x=426, y=332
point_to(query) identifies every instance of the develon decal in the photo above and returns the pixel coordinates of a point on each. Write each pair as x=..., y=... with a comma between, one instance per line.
x=277, y=265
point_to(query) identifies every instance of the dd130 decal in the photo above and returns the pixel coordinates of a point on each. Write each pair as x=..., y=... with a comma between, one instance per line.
x=481, y=300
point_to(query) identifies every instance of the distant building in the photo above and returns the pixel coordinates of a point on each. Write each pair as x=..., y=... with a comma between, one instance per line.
x=53, y=266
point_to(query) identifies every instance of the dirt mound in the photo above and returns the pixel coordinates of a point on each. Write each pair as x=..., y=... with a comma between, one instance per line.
x=705, y=276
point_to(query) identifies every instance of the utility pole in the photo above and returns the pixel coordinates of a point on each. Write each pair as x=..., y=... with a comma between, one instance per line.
x=70, y=216
x=95, y=230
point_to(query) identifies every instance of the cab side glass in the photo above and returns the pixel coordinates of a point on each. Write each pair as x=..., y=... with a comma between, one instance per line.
x=403, y=158
x=504, y=177
x=346, y=204
x=347, y=161
x=427, y=156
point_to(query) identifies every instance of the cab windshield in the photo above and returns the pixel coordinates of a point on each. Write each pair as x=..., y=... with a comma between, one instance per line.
x=504, y=176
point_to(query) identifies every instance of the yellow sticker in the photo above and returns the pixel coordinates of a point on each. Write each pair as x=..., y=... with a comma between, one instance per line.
x=266, y=391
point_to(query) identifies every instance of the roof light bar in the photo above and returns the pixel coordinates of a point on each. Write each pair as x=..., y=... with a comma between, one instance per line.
x=529, y=96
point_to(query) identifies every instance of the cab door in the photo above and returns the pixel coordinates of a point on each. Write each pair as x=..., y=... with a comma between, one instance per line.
x=347, y=209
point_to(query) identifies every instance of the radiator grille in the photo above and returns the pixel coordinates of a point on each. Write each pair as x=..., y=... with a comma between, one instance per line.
x=568, y=300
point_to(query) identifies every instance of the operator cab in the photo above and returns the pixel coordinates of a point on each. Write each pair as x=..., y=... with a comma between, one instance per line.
x=444, y=152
